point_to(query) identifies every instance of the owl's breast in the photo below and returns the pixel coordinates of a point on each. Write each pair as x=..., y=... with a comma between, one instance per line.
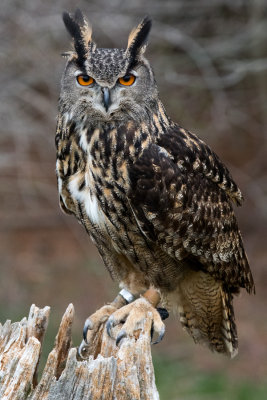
x=77, y=196
x=93, y=182
x=86, y=199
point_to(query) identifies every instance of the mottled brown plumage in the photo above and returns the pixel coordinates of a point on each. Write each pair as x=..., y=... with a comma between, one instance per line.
x=154, y=198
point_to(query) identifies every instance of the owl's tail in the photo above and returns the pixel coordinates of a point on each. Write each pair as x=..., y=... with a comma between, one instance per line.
x=206, y=312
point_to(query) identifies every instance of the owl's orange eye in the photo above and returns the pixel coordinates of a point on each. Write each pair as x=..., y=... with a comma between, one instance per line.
x=85, y=80
x=127, y=80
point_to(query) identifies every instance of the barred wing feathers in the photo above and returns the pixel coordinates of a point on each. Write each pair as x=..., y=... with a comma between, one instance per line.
x=181, y=197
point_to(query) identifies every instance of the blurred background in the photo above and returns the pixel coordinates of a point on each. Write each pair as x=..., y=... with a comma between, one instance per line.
x=210, y=61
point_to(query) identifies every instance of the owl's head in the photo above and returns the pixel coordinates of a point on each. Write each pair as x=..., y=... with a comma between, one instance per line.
x=107, y=84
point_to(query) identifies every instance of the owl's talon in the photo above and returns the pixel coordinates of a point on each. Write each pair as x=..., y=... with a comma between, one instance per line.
x=87, y=326
x=109, y=325
x=120, y=336
x=82, y=350
x=164, y=314
x=95, y=321
x=160, y=337
x=152, y=331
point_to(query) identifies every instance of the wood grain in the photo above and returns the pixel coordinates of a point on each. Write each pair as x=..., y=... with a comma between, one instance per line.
x=113, y=372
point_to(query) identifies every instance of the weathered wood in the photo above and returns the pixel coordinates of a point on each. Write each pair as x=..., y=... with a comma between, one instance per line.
x=111, y=372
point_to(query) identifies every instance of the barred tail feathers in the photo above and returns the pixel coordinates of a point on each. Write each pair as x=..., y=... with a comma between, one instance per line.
x=206, y=312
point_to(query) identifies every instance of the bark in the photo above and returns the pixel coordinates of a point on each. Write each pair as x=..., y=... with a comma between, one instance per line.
x=111, y=372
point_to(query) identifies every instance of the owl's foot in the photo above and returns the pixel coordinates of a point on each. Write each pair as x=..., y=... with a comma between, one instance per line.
x=94, y=324
x=132, y=315
x=92, y=330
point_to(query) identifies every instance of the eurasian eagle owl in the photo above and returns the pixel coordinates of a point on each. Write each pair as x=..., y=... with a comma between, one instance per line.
x=153, y=197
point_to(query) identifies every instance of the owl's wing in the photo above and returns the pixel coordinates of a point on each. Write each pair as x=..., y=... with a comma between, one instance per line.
x=181, y=197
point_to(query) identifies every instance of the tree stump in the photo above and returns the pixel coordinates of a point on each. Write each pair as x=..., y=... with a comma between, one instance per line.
x=110, y=372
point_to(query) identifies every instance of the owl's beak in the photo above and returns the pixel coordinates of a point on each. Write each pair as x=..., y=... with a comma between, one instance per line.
x=106, y=97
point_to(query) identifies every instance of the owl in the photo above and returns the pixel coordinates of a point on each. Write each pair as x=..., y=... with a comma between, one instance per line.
x=153, y=197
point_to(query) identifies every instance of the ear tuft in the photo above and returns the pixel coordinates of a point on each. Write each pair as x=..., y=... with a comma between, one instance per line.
x=79, y=17
x=81, y=32
x=137, y=40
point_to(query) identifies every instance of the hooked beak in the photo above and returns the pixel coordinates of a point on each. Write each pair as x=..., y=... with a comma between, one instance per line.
x=106, y=97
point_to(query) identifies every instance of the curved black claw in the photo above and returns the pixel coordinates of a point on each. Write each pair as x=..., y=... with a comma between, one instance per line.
x=161, y=335
x=87, y=326
x=122, y=334
x=152, y=332
x=109, y=325
x=163, y=313
x=82, y=351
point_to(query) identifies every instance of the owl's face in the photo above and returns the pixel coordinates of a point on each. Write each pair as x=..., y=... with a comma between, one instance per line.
x=107, y=84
